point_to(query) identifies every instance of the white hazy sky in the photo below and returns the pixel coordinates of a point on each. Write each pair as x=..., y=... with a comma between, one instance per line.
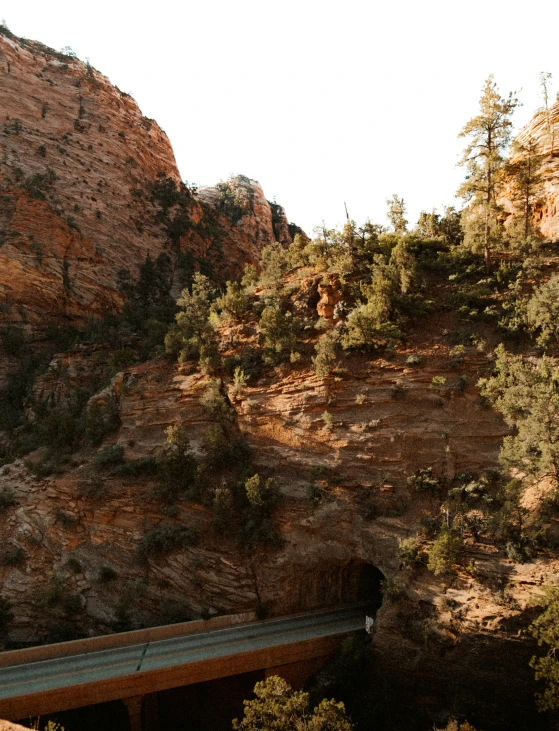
x=322, y=102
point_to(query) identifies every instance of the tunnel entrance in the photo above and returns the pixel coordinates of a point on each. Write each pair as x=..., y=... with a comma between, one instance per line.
x=333, y=583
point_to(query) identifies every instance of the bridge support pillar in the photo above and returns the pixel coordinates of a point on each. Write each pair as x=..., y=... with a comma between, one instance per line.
x=134, y=708
x=150, y=716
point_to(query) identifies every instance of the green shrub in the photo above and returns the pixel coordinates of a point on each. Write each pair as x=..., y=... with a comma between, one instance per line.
x=111, y=455
x=166, y=538
x=192, y=328
x=262, y=610
x=61, y=630
x=106, y=574
x=7, y=498
x=101, y=420
x=325, y=361
x=55, y=591
x=413, y=360
x=176, y=464
x=542, y=311
x=216, y=403
x=315, y=494
x=6, y=614
x=424, y=481
x=391, y=589
x=136, y=467
x=74, y=565
x=240, y=380
x=277, y=333
x=234, y=302
x=410, y=553
x=444, y=552
x=12, y=556
x=13, y=340
x=72, y=603
x=172, y=611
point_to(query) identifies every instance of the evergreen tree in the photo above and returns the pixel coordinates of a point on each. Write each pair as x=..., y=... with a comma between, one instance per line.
x=527, y=395
x=523, y=172
x=396, y=214
x=546, y=631
x=277, y=707
x=488, y=136
x=545, y=81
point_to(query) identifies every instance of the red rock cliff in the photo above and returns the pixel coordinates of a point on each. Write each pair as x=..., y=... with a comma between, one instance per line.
x=78, y=167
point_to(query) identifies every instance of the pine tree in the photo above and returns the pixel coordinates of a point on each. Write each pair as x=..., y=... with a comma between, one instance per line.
x=489, y=135
x=396, y=214
x=523, y=172
x=545, y=81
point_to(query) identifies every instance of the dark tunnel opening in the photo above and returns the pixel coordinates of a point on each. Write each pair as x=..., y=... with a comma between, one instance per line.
x=335, y=583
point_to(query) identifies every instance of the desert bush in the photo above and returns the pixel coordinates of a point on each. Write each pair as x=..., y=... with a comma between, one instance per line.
x=109, y=456
x=215, y=402
x=526, y=394
x=413, y=360
x=410, y=553
x=391, y=589
x=176, y=464
x=274, y=262
x=444, y=552
x=277, y=706
x=542, y=312
x=166, y=538
x=106, y=574
x=240, y=380
x=233, y=302
x=192, y=328
x=12, y=556
x=325, y=361
x=425, y=481
x=277, y=333
x=101, y=420
x=315, y=494
x=136, y=467
x=7, y=498
x=173, y=611
x=74, y=565
x=6, y=614
x=13, y=340
x=66, y=520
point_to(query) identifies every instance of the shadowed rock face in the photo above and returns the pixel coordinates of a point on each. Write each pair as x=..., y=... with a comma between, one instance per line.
x=78, y=166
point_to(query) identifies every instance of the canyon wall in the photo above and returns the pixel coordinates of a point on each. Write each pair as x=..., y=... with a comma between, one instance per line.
x=541, y=137
x=90, y=187
x=75, y=536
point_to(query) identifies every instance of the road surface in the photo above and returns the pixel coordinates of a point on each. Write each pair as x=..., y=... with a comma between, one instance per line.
x=107, y=665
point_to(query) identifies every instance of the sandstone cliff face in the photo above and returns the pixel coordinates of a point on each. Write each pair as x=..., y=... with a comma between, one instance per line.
x=252, y=221
x=543, y=133
x=73, y=148
x=78, y=533
x=78, y=162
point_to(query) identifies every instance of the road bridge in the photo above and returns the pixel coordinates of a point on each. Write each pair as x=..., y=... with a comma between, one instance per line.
x=54, y=678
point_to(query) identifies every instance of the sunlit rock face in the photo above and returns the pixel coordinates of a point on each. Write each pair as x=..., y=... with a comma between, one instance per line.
x=74, y=148
x=542, y=135
x=79, y=168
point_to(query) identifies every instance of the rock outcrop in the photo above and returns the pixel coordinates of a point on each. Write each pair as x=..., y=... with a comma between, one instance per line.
x=541, y=137
x=77, y=535
x=90, y=187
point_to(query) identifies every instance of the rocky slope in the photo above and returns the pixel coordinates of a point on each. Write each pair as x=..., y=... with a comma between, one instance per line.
x=78, y=165
x=70, y=541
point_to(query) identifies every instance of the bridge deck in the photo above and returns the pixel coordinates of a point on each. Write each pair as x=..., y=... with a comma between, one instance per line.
x=77, y=680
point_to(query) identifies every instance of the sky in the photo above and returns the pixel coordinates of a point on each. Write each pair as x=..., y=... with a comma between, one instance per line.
x=322, y=102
